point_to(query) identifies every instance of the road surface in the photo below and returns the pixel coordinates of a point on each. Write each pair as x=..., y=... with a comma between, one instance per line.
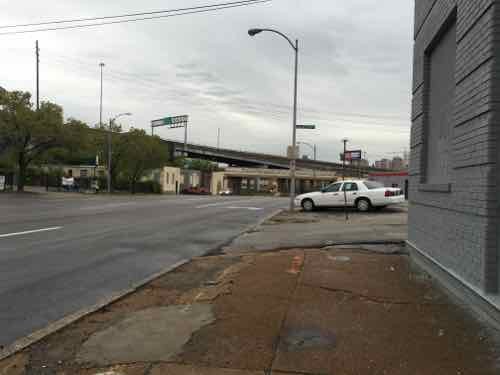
x=60, y=253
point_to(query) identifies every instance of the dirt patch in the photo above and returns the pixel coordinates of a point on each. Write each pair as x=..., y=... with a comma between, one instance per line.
x=58, y=352
x=297, y=217
x=249, y=319
x=15, y=365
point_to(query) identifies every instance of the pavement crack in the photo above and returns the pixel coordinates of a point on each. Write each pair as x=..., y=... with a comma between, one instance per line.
x=269, y=370
x=374, y=299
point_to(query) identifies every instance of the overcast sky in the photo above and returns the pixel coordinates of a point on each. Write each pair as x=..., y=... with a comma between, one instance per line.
x=355, y=70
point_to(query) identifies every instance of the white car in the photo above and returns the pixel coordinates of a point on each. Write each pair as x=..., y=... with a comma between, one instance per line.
x=364, y=195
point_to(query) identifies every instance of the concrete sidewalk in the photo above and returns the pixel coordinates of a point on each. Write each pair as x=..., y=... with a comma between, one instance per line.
x=335, y=310
x=323, y=228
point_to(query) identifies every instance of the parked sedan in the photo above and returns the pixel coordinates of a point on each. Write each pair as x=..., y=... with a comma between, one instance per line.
x=361, y=194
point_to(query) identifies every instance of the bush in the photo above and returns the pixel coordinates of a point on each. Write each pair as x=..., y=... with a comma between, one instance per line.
x=148, y=187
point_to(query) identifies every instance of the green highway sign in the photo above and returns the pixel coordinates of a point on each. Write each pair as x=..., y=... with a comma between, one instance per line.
x=176, y=121
x=309, y=127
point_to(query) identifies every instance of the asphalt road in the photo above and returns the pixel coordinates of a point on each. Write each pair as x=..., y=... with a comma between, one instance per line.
x=60, y=253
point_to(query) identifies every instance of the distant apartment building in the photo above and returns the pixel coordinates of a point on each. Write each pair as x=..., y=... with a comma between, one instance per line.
x=454, y=210
x=383, y=164
x=363, y=163
x=398, y=164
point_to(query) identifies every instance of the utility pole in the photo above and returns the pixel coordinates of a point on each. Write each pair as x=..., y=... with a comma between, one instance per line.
x=109, y=155
x=218, y=138
x=101, y=65
x=186, y=139
x=293, y=162
x=37, y=77
x=345, y=140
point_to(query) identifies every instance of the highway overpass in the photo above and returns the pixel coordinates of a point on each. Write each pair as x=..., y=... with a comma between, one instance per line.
x=253, y=159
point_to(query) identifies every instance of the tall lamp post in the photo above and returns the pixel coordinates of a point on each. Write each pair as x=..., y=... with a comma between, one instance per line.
x=110, y=130
x=293, y=158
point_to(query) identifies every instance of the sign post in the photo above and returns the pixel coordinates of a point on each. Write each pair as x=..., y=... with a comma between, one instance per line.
x=173, y=123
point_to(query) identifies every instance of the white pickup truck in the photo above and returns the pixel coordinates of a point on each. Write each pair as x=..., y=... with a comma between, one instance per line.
x=361, y=194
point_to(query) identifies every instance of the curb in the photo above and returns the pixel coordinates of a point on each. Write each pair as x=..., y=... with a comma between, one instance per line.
x=218, y=248
x=36, y=336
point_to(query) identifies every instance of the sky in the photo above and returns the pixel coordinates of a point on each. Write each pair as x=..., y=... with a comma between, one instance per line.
x=354, y=70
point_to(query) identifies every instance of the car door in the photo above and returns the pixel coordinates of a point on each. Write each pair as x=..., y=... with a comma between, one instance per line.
x=331, y=196
x=351, y=192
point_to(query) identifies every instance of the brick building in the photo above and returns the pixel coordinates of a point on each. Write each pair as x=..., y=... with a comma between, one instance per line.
x=454, y=209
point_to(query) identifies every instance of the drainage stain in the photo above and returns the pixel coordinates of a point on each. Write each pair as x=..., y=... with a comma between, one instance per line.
x=304, y=339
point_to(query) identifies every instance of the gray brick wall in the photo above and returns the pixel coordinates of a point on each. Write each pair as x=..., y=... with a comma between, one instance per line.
x=459, y=229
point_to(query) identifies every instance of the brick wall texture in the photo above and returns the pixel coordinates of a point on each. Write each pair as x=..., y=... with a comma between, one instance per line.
x=459, y=228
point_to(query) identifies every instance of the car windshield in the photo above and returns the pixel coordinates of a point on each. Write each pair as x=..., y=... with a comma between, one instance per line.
x=370, y=185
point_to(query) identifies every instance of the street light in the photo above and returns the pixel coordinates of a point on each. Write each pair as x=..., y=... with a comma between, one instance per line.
x=110, y=130
x=293, y=159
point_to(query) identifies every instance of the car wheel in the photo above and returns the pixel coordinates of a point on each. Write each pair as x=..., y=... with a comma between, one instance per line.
x=308, y=205
x=363, y=205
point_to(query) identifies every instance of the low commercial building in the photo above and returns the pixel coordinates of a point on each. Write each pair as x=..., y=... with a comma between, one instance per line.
x=392, y=179
x=84, y=171
x=268, y=181
x=170, y=180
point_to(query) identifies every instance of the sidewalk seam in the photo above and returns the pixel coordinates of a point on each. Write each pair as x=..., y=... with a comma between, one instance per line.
x=285, y=317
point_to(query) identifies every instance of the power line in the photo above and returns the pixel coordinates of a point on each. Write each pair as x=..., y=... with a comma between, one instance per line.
x=213, y=8
x=124, y=15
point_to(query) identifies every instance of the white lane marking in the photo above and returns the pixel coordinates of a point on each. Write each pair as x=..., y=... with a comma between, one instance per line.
x=109, y=205
x=29, y=232
x=244, y=208
x=225, y=203
x=211, y=205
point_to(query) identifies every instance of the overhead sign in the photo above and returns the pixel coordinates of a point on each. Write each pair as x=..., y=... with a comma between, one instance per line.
x=308, y=127
x=353, y=155
x=172, y=122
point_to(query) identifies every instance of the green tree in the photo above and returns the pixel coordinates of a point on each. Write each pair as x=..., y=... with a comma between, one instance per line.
x=80, y=146
x=28, y=134
x=139, y=154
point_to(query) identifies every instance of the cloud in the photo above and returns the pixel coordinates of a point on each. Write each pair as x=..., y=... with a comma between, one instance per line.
x=355, y=57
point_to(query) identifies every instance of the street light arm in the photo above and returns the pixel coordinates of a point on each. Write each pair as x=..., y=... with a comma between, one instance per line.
x=294, y=46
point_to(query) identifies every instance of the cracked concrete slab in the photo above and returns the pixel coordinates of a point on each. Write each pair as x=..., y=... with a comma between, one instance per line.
x=155, y=334
x=366, y=275
x=318, y=229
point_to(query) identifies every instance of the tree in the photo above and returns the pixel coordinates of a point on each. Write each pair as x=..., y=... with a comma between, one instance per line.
x=80, y=147
x=27, y=134
x=140, y=153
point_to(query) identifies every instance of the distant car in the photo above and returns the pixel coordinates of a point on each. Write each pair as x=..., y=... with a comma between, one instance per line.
x=196, y=190
x=226, y=192
x=361, y=194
